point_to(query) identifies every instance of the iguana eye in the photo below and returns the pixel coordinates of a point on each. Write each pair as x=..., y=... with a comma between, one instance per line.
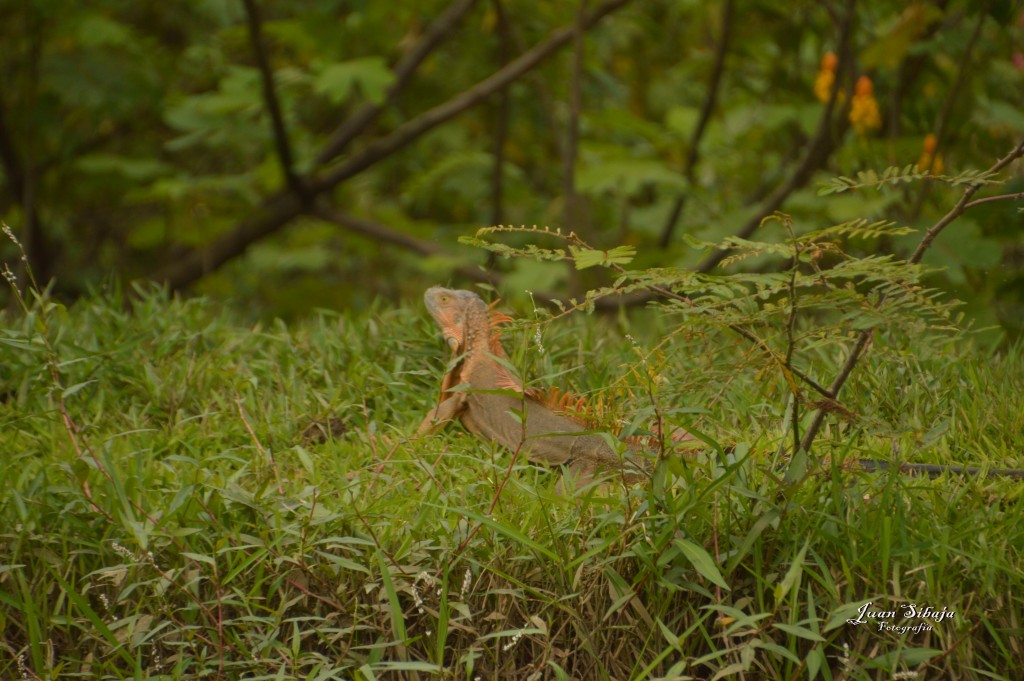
x=443, y=299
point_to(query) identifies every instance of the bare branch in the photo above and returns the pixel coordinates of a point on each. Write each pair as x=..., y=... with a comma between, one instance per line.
x=756, y=340
x=403, y=71
x=825, y=140
x=21, y=181
x=265, y=219
x=428, y=120
x=277, y=128
x=961, y=205
x=693, y=152
x=278, y=209
x=934, y=470
x=865, y=336
x=379, y=233
x=1000, y=197
x=572, y=131
x=952, y=97
x=11, y=159
x=373, y=230
x=504, y=49
x=909, y=70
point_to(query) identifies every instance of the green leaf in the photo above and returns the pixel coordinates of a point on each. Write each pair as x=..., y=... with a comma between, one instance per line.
x=682, y=120
x=370, y=75
x=901, y=35
x=799, y=632
x=589, y=257
x=912, y=657
x=198, y=557
x=97, y=622
x=792, y=574
x=68, y=392
x=702, y=562
x=409, y=666
x=397, y=616
x=815, y=661
x=508, y=531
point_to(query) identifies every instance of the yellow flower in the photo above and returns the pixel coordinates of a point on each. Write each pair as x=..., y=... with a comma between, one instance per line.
x=930, y=162
x=826, y=77
x=864, y=115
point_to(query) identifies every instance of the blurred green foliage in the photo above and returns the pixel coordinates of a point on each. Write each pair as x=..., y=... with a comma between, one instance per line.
x=136, y=138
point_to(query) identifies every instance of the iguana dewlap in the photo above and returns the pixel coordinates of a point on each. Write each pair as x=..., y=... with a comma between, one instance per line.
x=487, y=399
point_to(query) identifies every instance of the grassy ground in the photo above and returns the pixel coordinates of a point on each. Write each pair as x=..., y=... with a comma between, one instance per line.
x=182, y=519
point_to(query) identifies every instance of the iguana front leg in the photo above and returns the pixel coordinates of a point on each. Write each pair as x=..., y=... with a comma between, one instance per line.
x=450, y=409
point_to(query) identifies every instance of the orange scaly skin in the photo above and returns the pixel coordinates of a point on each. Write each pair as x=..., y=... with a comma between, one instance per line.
x=551, y=438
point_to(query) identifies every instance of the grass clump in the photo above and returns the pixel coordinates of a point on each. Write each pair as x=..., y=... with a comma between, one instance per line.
x=187, y=495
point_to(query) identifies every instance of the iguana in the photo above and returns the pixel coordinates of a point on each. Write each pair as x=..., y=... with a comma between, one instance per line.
x=483, y=394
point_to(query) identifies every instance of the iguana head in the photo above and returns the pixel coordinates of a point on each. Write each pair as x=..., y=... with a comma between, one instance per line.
x=461, y=316
x=466, y=321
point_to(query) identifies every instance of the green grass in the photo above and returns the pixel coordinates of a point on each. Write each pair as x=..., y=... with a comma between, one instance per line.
x=178, y=524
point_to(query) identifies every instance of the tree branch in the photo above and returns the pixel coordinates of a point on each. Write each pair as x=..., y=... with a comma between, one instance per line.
x=21, y=180
x=824, y=142
x=403, y=71
x=865, y=336
x=426, y=121
x=504, y=49
x=278, y=209
x=952, y=97
x=572, y=129
x=933, y=470
x=277, y=128
x=693, y=152
x=961, y=205
x=999, y=197
x=753, y=338
x=381, y=234
x=373, y=230
x=13, y=168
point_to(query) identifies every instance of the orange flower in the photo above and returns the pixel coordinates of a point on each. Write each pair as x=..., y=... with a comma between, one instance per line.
x=930, y=162
x=826, y=77
x=864, y=115
x=865, y=88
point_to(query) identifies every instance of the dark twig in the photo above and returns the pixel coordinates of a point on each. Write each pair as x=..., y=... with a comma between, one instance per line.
x=11, y=159
x=693, y=152
x=909, y=70
x=791, y=332
x=933, y=470
x=277, y=127
x=428, y=120
x=952, y=98
x=999, y=197
x=21, y=175
x=759, y=342
x=865, y=336
x=260, y=448
x=402, y=72
x=572, y=128
x=373, y=230
x=961, y=205
x=280, y=208
x=504, y=50
x=820, y=148
x=381, y=234
x=662, y=292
